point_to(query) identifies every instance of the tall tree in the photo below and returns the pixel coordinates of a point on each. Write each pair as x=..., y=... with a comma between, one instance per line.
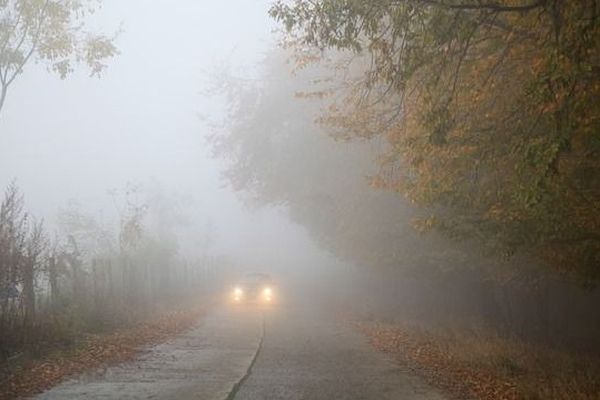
x=33, y=258
x=13, y=241
x=278, y=156
x=51, y=31
x=489, y=108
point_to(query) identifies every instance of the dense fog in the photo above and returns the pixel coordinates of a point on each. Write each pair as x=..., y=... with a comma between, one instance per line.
x=429, y=169
x=143, y=123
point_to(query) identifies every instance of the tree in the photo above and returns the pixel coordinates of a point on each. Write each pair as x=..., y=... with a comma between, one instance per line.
x=50, y=31
x=35, y=251
x=13, y=241
x=23, y=247
x=93, y=239
x=489, y=110
x=277, y=155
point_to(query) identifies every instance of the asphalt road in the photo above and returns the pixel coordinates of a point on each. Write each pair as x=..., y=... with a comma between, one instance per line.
x=307, y=355
x=204, y=363
x=246, y=353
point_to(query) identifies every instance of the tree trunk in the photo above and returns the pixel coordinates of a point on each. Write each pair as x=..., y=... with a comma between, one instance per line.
x=3, y=92
x=95, y=278
x=111, y=291
x=29, y=293
x=53, y=281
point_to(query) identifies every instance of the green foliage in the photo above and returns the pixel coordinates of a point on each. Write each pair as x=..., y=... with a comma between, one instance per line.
x=52, y=32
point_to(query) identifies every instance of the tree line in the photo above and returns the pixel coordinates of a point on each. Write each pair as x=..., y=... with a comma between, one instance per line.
x=489, y=111
x=280, y=153
x=88, y=277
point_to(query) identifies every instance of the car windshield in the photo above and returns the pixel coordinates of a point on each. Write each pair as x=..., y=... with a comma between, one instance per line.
x=256, y=279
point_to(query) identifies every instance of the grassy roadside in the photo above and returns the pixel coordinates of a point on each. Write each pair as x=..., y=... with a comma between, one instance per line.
x=94, y=351
x=485, y=367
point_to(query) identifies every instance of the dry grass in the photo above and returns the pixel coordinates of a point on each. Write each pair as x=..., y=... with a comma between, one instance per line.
x=481, y=365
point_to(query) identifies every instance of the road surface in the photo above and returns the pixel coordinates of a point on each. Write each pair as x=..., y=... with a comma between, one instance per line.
x=245, y=353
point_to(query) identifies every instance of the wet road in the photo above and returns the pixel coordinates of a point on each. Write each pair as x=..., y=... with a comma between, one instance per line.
x=204, y=363
x=305, y=355
x=299, y=353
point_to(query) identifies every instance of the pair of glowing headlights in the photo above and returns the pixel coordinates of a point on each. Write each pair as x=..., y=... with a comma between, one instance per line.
x=266, y=294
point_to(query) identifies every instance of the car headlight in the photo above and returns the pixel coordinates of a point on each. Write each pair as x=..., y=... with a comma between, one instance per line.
x=268, y=293
x=238, y=292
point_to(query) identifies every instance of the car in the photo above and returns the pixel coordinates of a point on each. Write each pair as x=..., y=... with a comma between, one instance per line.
x=254, y=288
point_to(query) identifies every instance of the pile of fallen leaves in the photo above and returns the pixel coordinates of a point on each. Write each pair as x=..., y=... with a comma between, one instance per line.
x=486, y=369
x=95, y=351
x=437, y=365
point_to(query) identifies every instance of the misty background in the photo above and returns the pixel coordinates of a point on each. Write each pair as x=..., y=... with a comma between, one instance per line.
x=440, y=195
x=144, y=122
x=201, y=114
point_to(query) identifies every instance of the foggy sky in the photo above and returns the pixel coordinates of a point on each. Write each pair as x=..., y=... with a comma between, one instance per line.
x=77, y=138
